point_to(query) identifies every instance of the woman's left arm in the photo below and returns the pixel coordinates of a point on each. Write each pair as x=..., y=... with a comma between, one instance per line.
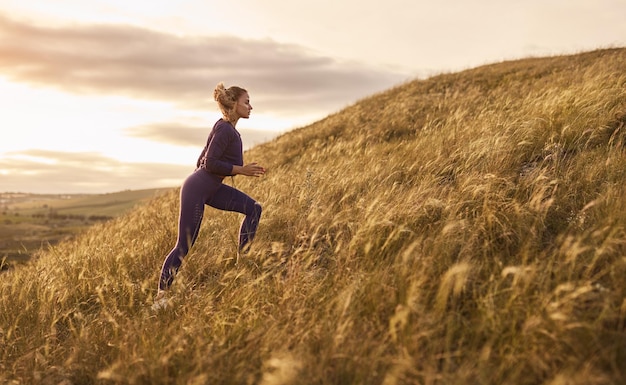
x=215, y=152
x=251, y=169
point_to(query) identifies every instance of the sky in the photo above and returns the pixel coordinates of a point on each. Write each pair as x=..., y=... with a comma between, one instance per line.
x=99, y=96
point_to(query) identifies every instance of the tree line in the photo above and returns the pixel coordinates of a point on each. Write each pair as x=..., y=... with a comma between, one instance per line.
x=58, y=216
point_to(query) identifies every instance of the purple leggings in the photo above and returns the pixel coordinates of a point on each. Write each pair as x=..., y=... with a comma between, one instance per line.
x=202, y=188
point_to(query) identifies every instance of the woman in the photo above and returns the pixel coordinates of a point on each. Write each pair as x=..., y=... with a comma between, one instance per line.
x=222, y=156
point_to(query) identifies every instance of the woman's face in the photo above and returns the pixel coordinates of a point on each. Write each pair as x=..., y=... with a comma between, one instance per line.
x=243, y=106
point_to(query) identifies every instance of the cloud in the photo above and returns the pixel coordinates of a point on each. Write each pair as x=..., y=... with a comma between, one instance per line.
x=43, y=171
x=146, y=64
x=192, y=136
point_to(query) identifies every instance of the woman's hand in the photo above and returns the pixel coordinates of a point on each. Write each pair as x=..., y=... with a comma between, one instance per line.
x=251, y=169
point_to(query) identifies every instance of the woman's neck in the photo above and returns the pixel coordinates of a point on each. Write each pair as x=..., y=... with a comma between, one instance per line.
x=233, y=122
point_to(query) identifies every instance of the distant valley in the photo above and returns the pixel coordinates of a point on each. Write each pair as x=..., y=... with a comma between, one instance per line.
x=32, y=222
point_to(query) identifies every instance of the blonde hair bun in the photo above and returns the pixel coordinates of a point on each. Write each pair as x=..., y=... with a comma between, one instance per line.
x=221, y=95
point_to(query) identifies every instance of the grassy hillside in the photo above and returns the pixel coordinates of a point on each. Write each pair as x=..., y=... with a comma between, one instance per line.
x=469, y=228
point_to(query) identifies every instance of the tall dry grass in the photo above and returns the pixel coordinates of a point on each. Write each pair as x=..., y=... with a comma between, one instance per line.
x=469, y=228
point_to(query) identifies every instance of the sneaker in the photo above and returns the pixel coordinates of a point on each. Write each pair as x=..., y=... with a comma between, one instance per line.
x=160, y=301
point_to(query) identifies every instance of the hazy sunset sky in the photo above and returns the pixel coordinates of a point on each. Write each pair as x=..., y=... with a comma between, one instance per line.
x=104, y=95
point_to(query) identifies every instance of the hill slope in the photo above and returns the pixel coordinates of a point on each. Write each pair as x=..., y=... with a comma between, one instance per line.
x=467, y=228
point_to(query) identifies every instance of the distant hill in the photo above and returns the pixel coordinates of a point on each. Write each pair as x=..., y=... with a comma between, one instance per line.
x=31, y=222
x=468, y=228
x=109, y=204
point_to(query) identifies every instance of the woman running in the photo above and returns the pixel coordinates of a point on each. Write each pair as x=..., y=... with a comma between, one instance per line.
x=222, y=156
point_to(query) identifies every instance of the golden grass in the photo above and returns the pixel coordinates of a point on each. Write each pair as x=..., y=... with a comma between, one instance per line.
x=469, y=228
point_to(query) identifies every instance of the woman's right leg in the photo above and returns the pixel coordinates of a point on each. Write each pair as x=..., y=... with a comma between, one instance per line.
x=192, y=198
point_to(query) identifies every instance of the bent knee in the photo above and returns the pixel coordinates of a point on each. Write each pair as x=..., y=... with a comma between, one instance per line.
x=257, y=209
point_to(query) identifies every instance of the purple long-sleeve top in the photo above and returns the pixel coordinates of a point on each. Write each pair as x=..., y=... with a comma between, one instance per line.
x=223, y=150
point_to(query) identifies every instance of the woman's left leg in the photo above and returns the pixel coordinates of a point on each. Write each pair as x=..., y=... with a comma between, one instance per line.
x=230, y=199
